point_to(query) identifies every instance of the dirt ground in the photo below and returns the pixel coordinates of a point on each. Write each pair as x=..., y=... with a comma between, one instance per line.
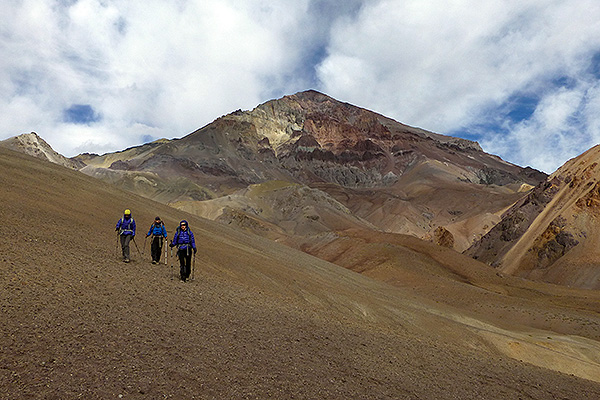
x=259, y=321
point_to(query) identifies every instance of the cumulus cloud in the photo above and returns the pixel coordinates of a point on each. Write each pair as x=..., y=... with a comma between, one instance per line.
x=454, y=67
x=167, y=66
x=520, y=76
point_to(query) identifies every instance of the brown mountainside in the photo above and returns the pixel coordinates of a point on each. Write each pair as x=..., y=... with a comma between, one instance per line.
x=260, y=319
x=32, y=144
x=552, y=234
x=385, y=174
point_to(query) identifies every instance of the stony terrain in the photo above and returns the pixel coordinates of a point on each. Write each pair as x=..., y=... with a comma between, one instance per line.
x=260, y=320
x=552, y=233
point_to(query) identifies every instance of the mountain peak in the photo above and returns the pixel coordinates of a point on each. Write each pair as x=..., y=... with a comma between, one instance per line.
x=34, y=145
x=353, y=123
x=314, y=95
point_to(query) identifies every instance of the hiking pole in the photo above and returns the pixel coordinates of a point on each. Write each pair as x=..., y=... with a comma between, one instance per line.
x=193, y=266
x=136, y=246
x=117, y=248
x=165, y=244
x=171, y=262
x=144, y=247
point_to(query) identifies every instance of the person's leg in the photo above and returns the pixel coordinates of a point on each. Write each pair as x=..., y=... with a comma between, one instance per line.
x=122, y=239
x=188, y=264
x=182, y=256
x=125, y=239
x=154, y=249
x=159, y=247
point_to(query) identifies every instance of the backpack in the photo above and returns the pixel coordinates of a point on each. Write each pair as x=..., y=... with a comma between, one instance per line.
x=162, y=224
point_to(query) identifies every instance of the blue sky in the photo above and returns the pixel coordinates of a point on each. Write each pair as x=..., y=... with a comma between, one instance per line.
x=522, y=77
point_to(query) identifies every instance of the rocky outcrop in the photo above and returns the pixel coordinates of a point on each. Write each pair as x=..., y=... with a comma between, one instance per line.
x=515, y=222
x=552, y=233
x=443, y=237
x=32, y=144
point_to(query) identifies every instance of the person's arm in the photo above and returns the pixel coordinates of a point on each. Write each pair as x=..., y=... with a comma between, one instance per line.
x=193, y=241
x=118, y=225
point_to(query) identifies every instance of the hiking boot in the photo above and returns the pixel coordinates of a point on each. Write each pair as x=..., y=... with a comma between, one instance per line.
x=154, y=262
x=126, y=260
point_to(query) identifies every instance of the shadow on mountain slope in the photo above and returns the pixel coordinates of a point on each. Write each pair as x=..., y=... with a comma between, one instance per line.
x=260, y=319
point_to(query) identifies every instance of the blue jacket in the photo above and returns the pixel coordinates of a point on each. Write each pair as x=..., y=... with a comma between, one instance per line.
x=126, y=226
x=183, y=239
x=157, y=230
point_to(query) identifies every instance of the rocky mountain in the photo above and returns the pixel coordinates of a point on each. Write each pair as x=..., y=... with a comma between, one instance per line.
x=552, y=234
x=380, y=172
x=32, y=144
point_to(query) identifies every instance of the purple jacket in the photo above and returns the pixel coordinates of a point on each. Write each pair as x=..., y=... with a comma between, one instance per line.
x=126, y=226
x=183, y=239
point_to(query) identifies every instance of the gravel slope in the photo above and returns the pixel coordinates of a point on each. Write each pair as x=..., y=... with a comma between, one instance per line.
x=259, y=321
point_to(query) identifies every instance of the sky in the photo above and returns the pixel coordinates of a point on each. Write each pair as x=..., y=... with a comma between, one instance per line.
x=521, y=77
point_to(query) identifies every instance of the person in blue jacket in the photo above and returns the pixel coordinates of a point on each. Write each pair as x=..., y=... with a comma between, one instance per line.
x=126, y=229
x=158, y=233
x=184, y=240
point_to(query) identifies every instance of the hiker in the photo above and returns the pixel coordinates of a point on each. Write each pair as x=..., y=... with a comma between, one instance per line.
x=126, y=229
x=184, y=240
x=158, y=233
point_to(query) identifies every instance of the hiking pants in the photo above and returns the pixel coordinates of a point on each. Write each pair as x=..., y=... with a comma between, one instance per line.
x=185, y=263
x=125, y=239
x=156, y=248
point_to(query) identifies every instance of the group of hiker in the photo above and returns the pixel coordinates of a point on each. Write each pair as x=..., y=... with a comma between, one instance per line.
x=183, y=240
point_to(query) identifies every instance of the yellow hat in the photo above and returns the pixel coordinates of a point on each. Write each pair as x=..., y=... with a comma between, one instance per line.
x=127, y=212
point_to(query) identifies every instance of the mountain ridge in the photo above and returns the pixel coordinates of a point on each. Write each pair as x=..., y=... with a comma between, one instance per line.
x=371, y=164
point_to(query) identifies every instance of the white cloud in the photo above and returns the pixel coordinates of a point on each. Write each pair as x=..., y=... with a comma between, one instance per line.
x=170, y=66
x=551, y=131
x=162, y=69
x=444, y=65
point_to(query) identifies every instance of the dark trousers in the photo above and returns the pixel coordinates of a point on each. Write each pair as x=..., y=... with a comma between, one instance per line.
x=156, y=248
x=125, y=239
x=185, y=263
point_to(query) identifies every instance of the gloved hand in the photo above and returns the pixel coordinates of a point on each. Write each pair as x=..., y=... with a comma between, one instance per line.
x=195, y=250
x=147, y=235
x=171, y=244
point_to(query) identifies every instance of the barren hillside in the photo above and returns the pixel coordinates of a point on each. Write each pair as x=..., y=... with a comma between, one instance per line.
x=552, y=234
x=260, y=320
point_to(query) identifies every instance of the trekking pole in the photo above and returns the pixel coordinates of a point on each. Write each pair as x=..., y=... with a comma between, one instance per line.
x=136, y=246
x=193, y=267
x=171, y=263
x=144, y=248
x=117, y=248
x=165, y=244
